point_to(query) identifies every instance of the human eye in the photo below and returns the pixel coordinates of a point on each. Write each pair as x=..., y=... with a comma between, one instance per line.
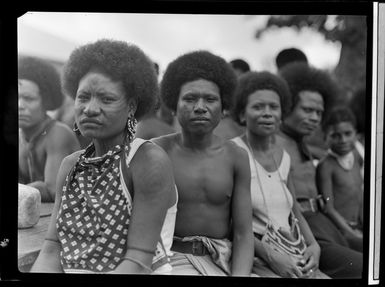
x=107, y=99
x=27, y=98
x=212, y=99
x=188, y=98
x=82, y=97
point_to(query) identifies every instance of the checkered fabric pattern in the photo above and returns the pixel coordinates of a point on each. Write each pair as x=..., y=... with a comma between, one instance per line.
x=94, y=216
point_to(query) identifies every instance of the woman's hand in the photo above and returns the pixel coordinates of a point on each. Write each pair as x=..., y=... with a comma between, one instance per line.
x=311, y=260
x=282, y=264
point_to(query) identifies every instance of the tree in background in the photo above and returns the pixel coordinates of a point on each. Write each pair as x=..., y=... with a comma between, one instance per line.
x=350, y=31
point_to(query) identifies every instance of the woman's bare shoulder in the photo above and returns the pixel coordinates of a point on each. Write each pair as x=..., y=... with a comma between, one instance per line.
x=70, y=160
x=166, y=141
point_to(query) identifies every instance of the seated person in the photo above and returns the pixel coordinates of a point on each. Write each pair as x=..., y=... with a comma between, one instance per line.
x=258, y=106
x=43, y=142
x=312, y=92
x=116, y=200
x=212, y=231
x=339, y=175
x=315, y=142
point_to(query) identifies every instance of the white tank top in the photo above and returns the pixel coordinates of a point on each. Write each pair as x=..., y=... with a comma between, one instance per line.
x=276, y=201
x=168, y=228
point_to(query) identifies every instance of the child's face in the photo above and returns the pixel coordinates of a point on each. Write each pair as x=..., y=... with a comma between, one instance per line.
x=341, y=137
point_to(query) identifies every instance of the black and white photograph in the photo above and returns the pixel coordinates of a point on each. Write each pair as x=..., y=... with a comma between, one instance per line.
x=199, y=143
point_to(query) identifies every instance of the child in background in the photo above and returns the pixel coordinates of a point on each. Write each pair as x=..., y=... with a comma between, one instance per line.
x=339, y=176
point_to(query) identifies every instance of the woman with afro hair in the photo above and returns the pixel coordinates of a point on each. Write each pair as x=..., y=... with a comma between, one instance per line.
x=116, y=199
x=260, y=100
x=43, y=142
x=313, y=92
x=212, y=231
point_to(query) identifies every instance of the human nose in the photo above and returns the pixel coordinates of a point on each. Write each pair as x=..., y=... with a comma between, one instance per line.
x=343, y=139
x=267, y=112
x=200, y=106
x=315, y=117
x=92, y=107
x=21, y=104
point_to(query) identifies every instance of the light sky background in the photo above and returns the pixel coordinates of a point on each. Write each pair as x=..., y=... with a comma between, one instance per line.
x=163, y=37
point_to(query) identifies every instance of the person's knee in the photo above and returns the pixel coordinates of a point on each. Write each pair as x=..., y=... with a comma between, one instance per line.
x=341, y=262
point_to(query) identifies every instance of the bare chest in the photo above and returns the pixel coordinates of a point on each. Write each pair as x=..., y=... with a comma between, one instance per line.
x=203, y=178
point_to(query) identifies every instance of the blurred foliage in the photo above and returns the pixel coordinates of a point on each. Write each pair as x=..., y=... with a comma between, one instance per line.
x=350, y=31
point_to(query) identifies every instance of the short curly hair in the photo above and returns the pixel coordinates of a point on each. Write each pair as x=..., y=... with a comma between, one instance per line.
x=251, y=82
x=46, y=77
x=121, y=61
x=289, y=55
x=240, y=64
x=302, y=77
x=338, y=115
x=193, y=66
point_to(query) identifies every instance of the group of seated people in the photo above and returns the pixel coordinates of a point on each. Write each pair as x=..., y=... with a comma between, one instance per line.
x=189, y=201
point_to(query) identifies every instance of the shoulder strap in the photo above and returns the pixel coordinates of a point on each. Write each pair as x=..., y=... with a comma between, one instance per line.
x=126, y=159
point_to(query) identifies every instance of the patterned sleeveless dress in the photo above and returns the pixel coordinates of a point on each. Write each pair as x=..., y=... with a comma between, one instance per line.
x=94, y=216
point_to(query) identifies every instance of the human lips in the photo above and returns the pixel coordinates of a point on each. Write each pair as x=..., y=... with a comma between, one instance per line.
x=88, y=121
x=200, y=119
x=23, y=118
x=266, y=124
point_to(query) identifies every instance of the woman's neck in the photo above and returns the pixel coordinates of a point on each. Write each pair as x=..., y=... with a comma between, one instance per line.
x=260, y=143
x=103, y=146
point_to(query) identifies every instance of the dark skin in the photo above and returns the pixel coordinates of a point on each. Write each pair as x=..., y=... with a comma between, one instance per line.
x=149, y=176
x=262, y=116
x=212, y=175
x=334, y=182
x=49, y=149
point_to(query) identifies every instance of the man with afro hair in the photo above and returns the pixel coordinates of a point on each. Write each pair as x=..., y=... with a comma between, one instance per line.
x=43, y=142
x=313, y=91
x=213, y=233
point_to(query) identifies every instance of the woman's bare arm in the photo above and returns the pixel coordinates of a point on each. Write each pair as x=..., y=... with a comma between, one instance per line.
x=154, y=185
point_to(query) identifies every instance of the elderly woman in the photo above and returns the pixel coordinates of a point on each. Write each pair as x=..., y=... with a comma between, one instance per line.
x=43, y=142
x=113, y=198
x=258, y=101
x=212, y=231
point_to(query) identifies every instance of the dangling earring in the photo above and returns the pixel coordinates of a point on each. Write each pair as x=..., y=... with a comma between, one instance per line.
x=76, y=129
x=131, y=128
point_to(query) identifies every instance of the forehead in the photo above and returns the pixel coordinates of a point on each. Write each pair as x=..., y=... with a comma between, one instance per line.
x=266, y=96
x=311, y=99
x=200, y=86
x=98, y=80
x=28, y=87
x=341, y=127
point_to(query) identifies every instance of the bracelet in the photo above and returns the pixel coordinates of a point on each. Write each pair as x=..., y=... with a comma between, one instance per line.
x=152, y=252
x=53, y=240
x=141, y=264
